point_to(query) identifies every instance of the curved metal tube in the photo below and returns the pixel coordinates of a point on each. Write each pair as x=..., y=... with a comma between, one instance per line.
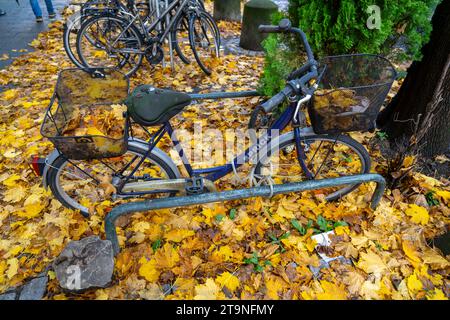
x=262, y=191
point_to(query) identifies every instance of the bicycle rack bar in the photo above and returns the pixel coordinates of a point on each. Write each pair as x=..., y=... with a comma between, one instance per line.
x=223, y=95
x=262, y=191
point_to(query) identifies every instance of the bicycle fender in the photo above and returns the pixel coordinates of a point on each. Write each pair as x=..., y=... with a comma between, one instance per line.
x=143, y=145
x=48, y=161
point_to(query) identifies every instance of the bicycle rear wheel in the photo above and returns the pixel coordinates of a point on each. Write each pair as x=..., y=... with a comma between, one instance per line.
x=82, y=184
x=204, y=38
x=117, y=44
x=327, y=156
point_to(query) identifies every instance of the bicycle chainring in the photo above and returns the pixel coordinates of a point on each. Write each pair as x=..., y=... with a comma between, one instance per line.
x=154, y=58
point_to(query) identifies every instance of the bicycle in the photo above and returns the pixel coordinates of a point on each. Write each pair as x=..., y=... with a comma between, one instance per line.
x=138, y=168
x=147, y=10
x=124, y=39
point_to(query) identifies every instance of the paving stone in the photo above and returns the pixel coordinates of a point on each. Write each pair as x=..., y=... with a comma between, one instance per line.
x=18, y=27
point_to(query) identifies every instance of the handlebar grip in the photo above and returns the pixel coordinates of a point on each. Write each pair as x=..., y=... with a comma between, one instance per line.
x=277, y=99
x=268, y=29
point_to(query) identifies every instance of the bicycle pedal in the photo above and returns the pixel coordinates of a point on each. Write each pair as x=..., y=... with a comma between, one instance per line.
x=194, y=185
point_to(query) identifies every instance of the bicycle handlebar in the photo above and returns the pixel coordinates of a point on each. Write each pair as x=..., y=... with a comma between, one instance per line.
x=298, y=78
x=285, y=26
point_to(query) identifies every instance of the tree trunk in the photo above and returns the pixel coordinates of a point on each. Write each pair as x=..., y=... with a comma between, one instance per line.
x=421, y=109
x=227, y=10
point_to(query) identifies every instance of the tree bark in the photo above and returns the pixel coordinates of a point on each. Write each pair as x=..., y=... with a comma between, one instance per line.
x=421, y=109
x=227, y=10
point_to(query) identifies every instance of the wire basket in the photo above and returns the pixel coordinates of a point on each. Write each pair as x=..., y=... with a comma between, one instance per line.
x=351, y=92
x=85, y=119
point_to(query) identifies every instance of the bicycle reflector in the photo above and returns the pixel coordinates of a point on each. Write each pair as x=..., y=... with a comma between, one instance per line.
x=38, y=165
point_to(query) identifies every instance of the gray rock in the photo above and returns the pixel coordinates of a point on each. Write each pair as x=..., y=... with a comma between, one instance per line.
x=85, y=264
x=8, y=296
x=35, y=289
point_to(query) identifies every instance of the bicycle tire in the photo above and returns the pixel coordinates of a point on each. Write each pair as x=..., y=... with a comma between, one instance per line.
x=68, y=202
x=122, y=22
x=346, y=140
x=210, y=21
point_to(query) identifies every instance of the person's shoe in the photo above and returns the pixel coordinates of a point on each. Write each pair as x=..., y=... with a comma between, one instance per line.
x=52, y=15
x=2, y=12
x=39, y=19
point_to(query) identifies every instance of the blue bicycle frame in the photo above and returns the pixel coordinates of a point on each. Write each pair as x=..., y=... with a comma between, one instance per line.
x=216, y=173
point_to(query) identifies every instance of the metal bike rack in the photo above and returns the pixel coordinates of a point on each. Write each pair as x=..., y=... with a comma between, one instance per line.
x=262, y=191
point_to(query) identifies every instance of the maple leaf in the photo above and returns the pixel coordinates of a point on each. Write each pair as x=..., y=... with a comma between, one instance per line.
x=370, y=262
x=207, y=291
x=166, y=257
x=228, y=280
x=414, y=284
x=331, y=291
x=418, y=214
x=273, y=287
x=148, y=270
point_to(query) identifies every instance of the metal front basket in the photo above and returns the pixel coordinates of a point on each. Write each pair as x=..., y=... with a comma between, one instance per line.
x=351, y=92
x=85, y=119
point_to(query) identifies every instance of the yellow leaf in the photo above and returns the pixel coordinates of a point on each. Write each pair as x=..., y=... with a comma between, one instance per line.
x=11, y=153
x=31, y=211
x=10, y=94
x=436, y=294
x=141, y=226
x=414, y=284
x=341, y=230
x=13, y=264
x=228, y=280
x=93, y=131
x=418, y=214
x=11, y=181
x=14, y=194
x=274, y=286
x=435, y=260
x=311, y=244
x=207, y=291
x=408, y=161
x=178, y=235
x=148, y=271
x=443, y=194
x=331, y=291
x=166, y=257
x=370, y=262
x=410, y=251
x=282, y=212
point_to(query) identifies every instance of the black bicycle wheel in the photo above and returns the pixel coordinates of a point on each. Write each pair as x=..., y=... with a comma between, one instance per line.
x=327, y=156
x=117, y=44
x=204, y=38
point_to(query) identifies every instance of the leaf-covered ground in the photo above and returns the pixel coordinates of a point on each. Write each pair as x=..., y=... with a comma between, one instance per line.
x=250, y=249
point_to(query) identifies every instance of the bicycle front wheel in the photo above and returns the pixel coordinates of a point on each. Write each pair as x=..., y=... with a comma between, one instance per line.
x=327, y=156
x=204, y=38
